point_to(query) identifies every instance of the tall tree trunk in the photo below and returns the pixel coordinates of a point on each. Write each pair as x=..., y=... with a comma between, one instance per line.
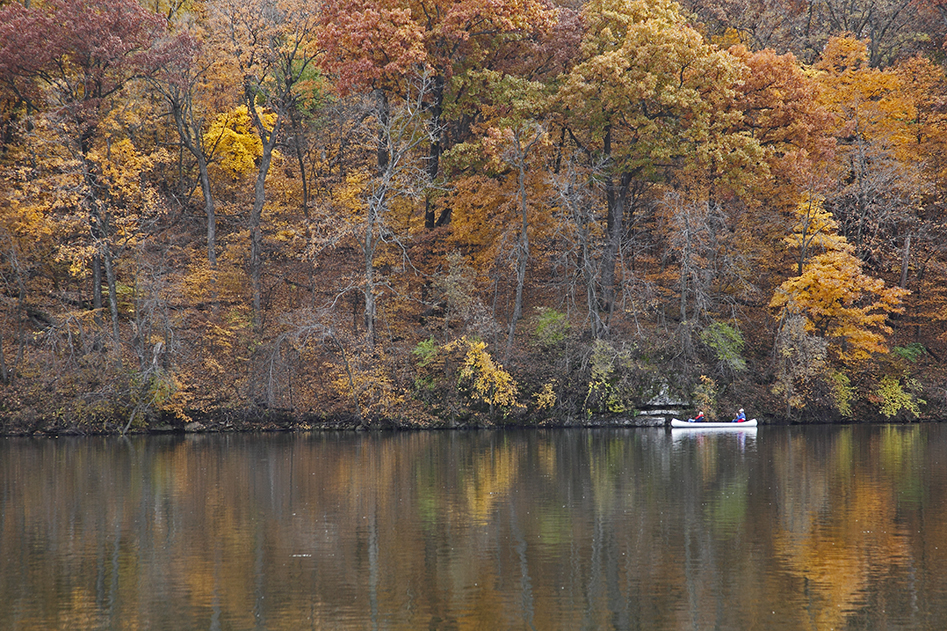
x=522, y=249
x=616, y=195
x=97, y=300
x=685, y=267
x=297, y=145
x=905, y=262
x=369, y=290
x=210, y=211
x=256, y=234
x=587, y=263
x=4, y=375
x=571, y=193
x=109, y=266
x=269, y=139
x=189, y=132
x=434, y=153
x=384, y=120
x=375, y=205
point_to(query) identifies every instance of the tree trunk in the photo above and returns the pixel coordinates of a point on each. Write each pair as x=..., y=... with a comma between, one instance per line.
x=297, y=145
x=369, y=290
x=614, y=230
x=269, y=139
x=434, y=153
x=905, y=261
x=97, y=299
x=571, y=195
x=210, y=210
x=686, y=249
x=4, y=375
x=384, y=120
x=256, y=234
x=189, y=132
x=522, y=254
x=113, y=301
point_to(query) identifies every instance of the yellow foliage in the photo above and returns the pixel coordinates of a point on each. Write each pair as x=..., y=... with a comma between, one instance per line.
x=835, y=298
x=649, y=88
x=843, y=393
x=27, y=221
x=376, y=393
x=894, y=398
x=479, y=377
x=78, y=257
x=546, y=397
x=236, y=141
x=815, y=229
x=479, y=207
x=173, y=396
x=351, y=195
x=199, y=281
x=867, y=103
x=122, y=169
x=487, y=380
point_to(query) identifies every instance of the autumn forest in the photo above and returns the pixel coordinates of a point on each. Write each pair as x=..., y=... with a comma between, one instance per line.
x=264, y=214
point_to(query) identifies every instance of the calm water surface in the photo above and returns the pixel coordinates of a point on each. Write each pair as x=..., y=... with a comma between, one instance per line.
x=778, y=528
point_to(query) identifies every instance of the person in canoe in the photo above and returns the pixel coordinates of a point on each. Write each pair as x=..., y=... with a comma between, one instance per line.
x=741, y=417
x=699, y=418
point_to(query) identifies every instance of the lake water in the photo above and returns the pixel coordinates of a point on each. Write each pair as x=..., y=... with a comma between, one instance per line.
x=779, y=528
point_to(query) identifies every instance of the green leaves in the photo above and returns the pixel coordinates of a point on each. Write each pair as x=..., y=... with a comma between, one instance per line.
x=727, y=343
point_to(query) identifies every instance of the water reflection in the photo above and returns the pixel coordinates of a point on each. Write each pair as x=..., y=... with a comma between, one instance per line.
x=780, y=528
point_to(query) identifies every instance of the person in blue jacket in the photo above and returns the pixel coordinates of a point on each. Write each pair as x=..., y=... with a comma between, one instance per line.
x=741, y=417
x=698, y=418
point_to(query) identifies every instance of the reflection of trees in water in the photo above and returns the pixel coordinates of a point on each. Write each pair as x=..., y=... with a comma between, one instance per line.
x=843, y=535
x=487, y=529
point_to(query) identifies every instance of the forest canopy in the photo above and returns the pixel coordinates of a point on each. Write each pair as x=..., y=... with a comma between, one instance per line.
x=437, y=213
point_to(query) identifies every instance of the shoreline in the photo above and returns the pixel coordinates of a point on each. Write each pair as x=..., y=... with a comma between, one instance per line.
x=268, y=421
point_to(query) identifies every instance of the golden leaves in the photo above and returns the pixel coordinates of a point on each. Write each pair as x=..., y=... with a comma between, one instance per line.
x=487, y=380
x=466, y=368
x=122, y=169
x=832, y=294
x=867, y=103
x=652, y=94
x=236, y=140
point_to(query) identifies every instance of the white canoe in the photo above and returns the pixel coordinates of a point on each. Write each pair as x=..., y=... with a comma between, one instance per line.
x=679, y=424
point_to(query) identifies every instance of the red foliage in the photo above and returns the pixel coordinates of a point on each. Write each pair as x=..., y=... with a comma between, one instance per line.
x=83, y=50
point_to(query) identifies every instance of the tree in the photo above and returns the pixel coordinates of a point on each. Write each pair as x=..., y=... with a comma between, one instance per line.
x=375, y=44
x=781, y=109
x=695, y=228
x=271, y=45
x=27, y=244
x=879, y=177
x=920, y=234
x=369, y=198
x=70, y=60
x=513, y=108
x=183, y=82
x=831, y=294
x=893, y=28
x=649, y=101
